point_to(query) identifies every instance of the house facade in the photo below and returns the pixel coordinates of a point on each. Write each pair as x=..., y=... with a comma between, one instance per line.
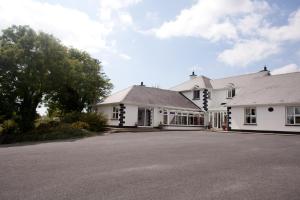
x=141, y=106
x=251, y=102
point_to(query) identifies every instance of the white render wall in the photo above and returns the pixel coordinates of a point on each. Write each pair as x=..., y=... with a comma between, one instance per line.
x=107, y=110
x=189, y=95
x=266, y=121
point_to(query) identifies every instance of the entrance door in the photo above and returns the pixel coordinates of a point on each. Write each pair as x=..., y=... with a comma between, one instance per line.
x=144, y=117
x=217, y=119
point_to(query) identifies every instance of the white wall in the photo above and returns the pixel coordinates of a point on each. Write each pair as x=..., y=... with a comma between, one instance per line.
x=189, y=95
x=217, y=97
x=131, y=112
x=269, y=121
x=107, y=110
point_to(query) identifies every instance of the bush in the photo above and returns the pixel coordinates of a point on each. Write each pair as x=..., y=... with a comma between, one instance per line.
x=72, y=117
x=97, y=122
x=80, y=125
x=9, y=127
x=48, y=124
x=63, y=131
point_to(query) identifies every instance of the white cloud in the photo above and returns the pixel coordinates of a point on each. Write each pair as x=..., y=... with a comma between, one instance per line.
x=286, y=69
x=244, y=53
x=212, y=20
x=125, y=56
x=245, y=24
x=71, y=26
x=267, y=41
x=114, y=12
x=288, y=32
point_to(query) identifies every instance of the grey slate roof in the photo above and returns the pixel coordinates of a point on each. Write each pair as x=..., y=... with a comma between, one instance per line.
x=204, y=82
x=142, y=95
x=269, y=90
x=199, y=81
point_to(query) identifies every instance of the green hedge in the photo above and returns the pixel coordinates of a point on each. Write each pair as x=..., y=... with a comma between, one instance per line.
x=64, y=131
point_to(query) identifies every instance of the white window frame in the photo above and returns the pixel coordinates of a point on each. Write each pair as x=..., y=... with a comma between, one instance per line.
x=115, y=113
x=250, y=115
x=294, y=115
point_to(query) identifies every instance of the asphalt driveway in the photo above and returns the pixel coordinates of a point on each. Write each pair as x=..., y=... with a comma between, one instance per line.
x=163, y=165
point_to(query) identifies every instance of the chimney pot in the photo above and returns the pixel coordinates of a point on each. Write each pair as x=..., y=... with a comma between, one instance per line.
x=193, y=75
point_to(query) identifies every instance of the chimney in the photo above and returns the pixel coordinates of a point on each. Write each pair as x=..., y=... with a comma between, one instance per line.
x=142, y=83
x=193, y=75
x=265, y=68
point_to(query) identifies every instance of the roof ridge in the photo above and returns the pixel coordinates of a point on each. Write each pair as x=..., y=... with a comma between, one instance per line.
x=237, y=75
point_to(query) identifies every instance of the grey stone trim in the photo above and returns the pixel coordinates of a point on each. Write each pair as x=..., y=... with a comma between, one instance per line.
x=205, y=99
x=229, y=118
x=122, y=115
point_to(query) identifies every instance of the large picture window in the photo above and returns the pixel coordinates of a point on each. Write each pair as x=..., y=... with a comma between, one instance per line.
x=293, y=115
x=250, y=115
x=115, y=114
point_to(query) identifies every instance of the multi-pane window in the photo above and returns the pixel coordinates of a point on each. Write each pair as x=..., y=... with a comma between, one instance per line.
x=293, y=115
x=250, y=115
x=165, y=121
x=115, y=114
x=196, y=94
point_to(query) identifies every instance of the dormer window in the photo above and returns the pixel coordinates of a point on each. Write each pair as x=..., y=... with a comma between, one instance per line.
x=230, y=91
x=196, y=94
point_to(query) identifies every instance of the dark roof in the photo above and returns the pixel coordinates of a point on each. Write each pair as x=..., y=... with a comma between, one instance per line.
x=143, y=95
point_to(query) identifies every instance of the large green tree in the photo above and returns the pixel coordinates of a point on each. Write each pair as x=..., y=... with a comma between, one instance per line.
x=26, y=60
x=81, y=86
x=36, y=65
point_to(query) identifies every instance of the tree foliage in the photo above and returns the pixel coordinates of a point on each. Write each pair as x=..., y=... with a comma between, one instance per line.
x=36, y=66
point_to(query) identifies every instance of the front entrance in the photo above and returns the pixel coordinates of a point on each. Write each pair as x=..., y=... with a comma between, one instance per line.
x=217, y=119
x=144, y=117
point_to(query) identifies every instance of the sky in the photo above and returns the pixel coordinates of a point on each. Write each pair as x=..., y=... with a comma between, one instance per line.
x=162, y=42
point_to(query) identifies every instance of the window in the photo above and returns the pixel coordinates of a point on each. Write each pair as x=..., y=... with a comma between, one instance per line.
x=230, y=93
x=184, y=119
x=293, y=115
x=172, y=118
x=196, y=94
x=250, y=115
x=178, y=118
x=191, y=119
x=165, y=121
x=115, y=113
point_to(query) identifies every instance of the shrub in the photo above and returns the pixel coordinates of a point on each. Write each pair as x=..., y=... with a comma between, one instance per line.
x=63, y=131
x=48, y=124
x=72, y=117
x=96, y=122
x=80, y=125
x=9, y=127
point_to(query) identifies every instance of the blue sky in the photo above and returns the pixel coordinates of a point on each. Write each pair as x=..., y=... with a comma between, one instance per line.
x=161, y=42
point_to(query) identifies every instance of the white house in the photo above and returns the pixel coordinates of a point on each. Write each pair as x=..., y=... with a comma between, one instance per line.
x=141, y=106
x=251, y=102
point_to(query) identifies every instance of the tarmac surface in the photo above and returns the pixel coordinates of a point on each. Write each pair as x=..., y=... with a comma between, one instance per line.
x=175, y=165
